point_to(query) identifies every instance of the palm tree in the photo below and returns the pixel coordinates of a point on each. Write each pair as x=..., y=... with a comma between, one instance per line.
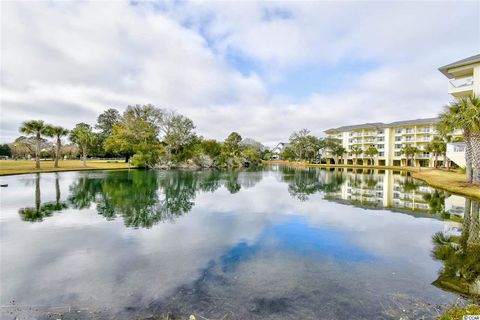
x=37, y=128
x=371, y=152
x=437, y=146
x=58, y=133
x=356, y=151
x=464, y=114
x=410, y=151
x=83, y=135
x=338, y=152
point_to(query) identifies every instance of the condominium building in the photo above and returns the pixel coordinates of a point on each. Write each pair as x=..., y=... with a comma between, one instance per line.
x=389, y=139
x=464, y=76
x=464, y=80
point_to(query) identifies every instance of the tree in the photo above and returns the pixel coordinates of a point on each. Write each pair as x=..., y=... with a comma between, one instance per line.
x=178, y=135
x=464, y=114
x=105, y=123
x=338, y=152
x=57, y=133
x=304, y=145
x=137, y=134
x=410, y=151
x=5, y=150
x=35, y=128
x=84, y=137
x=437, y=146
x=356, y=151
x=232, y=144
x=371, y=152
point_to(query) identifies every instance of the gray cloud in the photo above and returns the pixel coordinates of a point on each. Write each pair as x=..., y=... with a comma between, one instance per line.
x=81, y=58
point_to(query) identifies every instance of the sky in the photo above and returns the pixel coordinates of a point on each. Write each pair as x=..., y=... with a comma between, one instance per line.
x=263, y=69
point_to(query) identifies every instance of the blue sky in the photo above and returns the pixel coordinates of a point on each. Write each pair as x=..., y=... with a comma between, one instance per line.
x=263, y=69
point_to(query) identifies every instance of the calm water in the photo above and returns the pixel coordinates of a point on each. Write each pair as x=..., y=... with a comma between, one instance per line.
x=275, y=243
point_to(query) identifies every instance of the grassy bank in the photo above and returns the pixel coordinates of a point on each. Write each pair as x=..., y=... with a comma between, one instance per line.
x=457, y=313
x=451, y=181
x=10, y=167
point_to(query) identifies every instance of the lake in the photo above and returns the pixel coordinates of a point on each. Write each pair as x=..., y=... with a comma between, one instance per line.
x=270, y=243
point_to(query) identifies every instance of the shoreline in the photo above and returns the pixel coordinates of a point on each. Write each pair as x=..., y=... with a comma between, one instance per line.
x=450, y=181
x=20, y=167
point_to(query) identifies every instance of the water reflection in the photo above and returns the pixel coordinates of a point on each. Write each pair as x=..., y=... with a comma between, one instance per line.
x=381, y=189
x=460, y=255
x=141, y=198
x=41, y=211
x=282, y=242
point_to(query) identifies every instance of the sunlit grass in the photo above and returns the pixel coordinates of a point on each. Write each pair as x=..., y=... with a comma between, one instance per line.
x=457, y=313
x=8, y=167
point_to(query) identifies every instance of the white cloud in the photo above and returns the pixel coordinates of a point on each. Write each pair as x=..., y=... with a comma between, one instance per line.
x=66, y=62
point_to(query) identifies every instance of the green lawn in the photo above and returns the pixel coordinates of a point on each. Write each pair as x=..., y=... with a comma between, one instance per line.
x=9, y=167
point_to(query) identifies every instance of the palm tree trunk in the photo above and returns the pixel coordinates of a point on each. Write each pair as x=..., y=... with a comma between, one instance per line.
x=468, y=156
x=475, y=151
x=57, y=152
x=84, y=148
x=435, y=162
x=38, y=201
x=37, y=152
x=57, y=189
x=474, y=232
x=466, y=219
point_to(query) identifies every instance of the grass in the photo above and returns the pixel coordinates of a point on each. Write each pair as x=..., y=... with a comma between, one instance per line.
x=10, y=167
x=457, y=313
x=451, y=181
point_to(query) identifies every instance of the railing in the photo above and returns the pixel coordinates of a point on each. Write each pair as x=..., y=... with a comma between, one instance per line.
x=456, y=147
x=461, y=82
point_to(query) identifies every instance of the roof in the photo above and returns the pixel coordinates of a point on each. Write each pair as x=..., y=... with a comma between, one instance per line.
x=359, y=126
x=378, y=125
x=459, y=63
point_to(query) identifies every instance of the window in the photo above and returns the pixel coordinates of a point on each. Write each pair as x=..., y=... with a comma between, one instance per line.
x=409, y=130
x=380, y=146
x=381, y=139
x=381, y=154
x=398, y=130
x=398, y=139
x=381, y=131
x=398, y=154
x=398, y=146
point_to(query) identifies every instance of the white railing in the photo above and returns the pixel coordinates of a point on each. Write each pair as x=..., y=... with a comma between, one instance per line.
x=461, y=82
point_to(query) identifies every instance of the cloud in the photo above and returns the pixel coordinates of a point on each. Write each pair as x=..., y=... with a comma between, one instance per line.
x=219, y=63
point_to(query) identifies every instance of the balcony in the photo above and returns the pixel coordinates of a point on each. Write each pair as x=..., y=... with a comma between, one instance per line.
x=460, y=87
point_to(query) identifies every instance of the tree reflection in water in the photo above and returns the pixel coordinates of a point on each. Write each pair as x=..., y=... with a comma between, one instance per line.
x=304, y=182
x=143, y=198
x=460, y=255
x=41, y=211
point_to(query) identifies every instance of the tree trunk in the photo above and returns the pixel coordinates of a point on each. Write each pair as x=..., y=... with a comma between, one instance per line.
x=445, y=161
x=84, y=148
x=469, y=172
x=57, y=152
x=466, y=219
x=475, y=147
x=57, y=189
x=435, y=162
x=38, y=201
x=468, y=156
x=37, y=153
x=474, y=232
